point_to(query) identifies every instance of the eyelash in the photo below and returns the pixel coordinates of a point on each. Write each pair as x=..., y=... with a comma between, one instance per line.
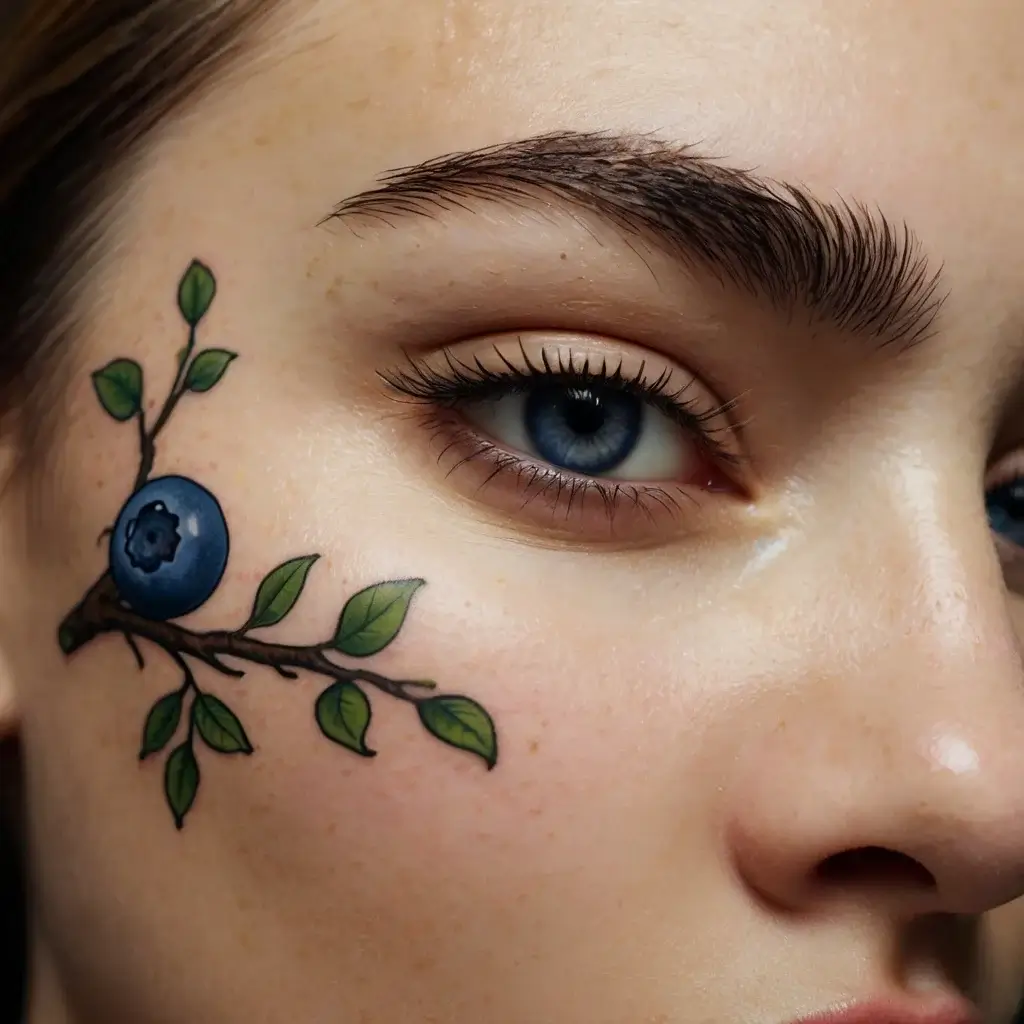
x=458, y=382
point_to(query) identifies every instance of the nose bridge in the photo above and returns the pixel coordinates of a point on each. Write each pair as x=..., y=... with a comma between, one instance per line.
x=924, y=579
x=902, y=733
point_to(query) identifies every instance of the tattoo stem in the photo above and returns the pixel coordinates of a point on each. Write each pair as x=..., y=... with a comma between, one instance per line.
x=100, y=611
x=189, y=683
x=147, y=439
x=139, y=660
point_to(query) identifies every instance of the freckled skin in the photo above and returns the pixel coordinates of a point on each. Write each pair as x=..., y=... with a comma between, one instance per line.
x=689, y=728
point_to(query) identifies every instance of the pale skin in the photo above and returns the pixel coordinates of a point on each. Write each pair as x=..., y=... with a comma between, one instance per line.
x=696, y=710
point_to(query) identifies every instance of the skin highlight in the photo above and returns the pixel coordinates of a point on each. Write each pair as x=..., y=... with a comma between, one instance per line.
x=759, y=748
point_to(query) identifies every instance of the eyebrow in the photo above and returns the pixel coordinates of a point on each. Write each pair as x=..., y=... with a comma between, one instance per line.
x=843, y=262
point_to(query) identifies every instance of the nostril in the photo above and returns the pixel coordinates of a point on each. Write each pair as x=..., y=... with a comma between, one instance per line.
x=874, y=866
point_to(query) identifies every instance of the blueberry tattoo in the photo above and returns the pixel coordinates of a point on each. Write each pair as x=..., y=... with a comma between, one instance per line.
x=169, y=548
x=167, y=553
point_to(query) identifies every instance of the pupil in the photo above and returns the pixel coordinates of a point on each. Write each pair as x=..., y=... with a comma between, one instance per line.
x=588, y=430
x=583, y=412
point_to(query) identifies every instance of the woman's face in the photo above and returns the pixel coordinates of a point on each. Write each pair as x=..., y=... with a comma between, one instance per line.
x=695, y=469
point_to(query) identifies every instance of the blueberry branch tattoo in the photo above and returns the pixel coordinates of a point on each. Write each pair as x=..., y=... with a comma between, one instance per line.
x=168, y=550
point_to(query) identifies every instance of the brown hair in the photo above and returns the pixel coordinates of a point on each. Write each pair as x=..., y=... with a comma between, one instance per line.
x=82, y=82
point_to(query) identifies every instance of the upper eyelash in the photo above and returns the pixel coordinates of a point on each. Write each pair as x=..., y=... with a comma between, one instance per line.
x=475, y=382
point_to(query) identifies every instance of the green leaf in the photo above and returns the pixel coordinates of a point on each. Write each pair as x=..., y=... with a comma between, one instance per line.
x=195, y=292
x=461, y=722
x=219, y=726
x=181, y=781
x=119, y=388
x=278, y=592
x=161, y=724
x=343, y=714
x=207, y=369
x=372, y=618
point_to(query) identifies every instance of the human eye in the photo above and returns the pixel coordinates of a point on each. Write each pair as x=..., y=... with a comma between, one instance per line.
x=576, y=431
x=1004, y=507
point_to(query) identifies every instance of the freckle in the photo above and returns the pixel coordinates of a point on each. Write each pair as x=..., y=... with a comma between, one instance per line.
x=534, y=746
x=564, y=256
x=213, y=465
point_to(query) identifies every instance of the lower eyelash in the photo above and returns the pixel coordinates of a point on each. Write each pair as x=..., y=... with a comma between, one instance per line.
x=467, y=382
x=561, y=490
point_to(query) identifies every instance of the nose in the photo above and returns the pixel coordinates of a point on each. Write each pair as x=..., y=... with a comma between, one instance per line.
x=889, y=768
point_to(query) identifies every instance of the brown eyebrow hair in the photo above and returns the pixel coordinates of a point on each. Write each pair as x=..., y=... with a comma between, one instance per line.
x=845, y=263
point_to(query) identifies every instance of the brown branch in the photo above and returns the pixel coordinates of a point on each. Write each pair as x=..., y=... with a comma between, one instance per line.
x=139, y=660
x=101, y=611
x=147, y=439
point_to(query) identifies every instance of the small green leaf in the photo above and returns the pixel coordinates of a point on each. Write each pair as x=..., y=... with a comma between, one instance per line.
x=461, y=722
x=181, y=781
x=207, y=369
x=219, y=726
x=372, y=618
x=195, y=293
x=343, y=714
x=278, y=592
x=119, y=388
x=161, y=724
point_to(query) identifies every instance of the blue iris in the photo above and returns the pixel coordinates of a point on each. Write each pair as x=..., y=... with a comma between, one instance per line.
x=1005, y=508
x=587, y=430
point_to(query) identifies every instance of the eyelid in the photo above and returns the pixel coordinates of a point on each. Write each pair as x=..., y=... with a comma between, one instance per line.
x=523, y=357
x=1007, y=468
x=446, y=381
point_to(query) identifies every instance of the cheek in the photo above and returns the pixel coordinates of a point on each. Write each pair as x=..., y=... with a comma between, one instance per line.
x=422, y=847
x=304, y=849
x=1003, y=943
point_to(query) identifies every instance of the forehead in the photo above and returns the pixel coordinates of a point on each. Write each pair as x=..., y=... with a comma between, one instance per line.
x=918, y=109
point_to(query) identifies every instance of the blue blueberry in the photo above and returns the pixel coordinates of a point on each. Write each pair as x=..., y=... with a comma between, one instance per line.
x=169, y=548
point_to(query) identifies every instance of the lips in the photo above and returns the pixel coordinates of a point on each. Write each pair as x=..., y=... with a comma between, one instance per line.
x=897, y=1011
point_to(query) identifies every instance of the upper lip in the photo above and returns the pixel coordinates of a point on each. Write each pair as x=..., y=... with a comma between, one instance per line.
x=948, y=1010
